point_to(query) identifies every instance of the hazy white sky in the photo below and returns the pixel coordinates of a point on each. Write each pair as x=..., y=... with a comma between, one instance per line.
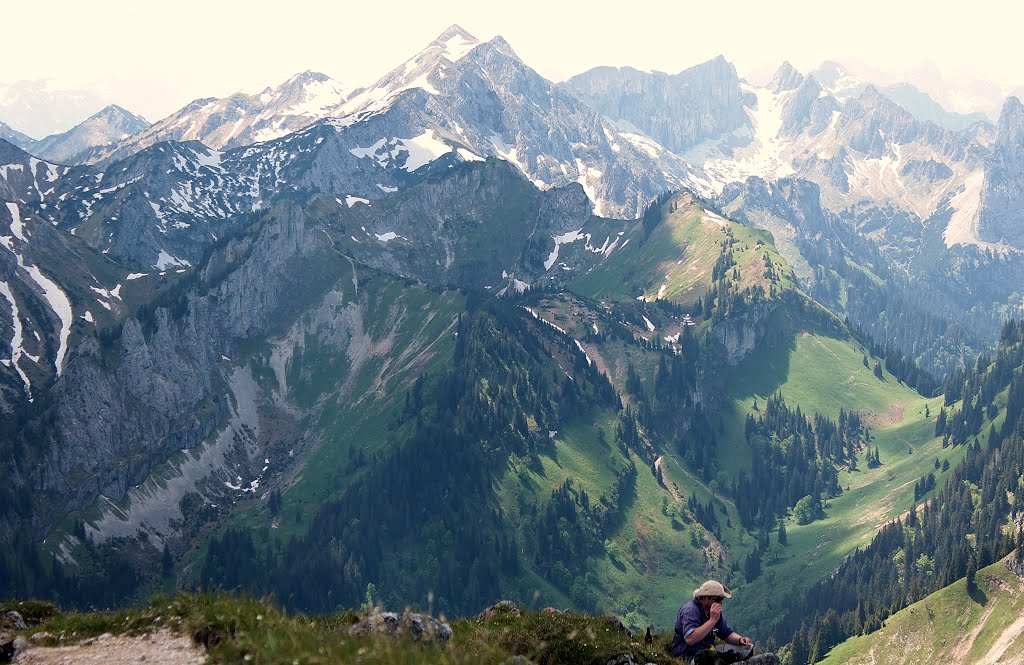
x=153, y=57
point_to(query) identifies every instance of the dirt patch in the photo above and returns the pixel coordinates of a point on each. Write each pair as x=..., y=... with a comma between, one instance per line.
x=965, y=644
x=1007, y=638
x=643, y=546
x=162, y=648
x=894, y=416
x=877, y=514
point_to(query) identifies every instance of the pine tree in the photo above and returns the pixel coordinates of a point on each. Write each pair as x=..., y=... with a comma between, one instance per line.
x=972, y=571
x=798, y=651
x=940, y=422
x=166, y=562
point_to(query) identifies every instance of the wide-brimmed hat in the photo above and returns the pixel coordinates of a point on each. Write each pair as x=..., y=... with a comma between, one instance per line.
x=712, y=588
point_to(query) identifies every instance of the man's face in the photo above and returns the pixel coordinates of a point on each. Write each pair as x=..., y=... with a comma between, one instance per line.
x=707, y=601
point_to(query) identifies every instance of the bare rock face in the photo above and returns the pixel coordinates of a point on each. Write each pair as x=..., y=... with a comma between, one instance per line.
x=679, y=111
x=741, y=334
x=1001, y=217
x=418, y=628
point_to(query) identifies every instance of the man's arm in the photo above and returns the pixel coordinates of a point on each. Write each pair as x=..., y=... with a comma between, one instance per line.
x=701, y=631
x=736, y=639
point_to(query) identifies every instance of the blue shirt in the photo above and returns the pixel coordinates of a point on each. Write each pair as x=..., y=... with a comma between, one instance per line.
x=691, y=617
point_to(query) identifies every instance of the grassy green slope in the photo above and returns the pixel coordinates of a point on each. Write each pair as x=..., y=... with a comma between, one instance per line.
x=676, y=260
x=821, y=373
x=815, y=368
x=953, y=625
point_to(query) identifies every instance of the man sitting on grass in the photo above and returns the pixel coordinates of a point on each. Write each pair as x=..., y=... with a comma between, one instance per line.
x=699, y=622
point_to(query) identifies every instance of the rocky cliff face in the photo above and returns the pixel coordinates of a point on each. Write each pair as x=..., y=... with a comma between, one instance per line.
x=141, y=384
x=1001, y=215
x=742, y=334
x=678, y=111
x=127, y=401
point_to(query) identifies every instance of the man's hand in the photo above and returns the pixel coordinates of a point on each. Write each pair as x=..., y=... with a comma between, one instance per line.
x=716, y=612
x=745, y=642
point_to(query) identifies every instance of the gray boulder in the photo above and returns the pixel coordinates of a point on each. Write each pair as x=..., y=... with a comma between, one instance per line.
x=13, y=621
x=503, y=607
x=419, y=628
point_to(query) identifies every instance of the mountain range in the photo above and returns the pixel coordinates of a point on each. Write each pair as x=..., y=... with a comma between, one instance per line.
x=519, y=327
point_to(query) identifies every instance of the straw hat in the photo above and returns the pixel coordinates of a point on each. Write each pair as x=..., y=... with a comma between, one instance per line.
x=712, y=588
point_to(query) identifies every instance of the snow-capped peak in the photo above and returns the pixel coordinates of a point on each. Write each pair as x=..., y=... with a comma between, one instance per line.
x=424, y=70
x=455, y=42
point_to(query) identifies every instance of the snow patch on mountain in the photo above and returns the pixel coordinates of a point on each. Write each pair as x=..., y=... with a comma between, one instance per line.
x=17, y=227
x=352, y=200
x=16, y=339
x=744, y=153
x=165, y=261
x=61, y=306
x=563, y=239
x=963, y=224
x=418, y=151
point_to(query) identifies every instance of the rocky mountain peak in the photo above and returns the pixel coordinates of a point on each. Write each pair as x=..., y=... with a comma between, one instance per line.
x=786, y=78
x=1011, y=120
x=871, y=96
x=308, y=76
x=424, y=70
x=107, y=126
x=1002, y=197
x=454, y=32
x=113, y=112
x=11, y=134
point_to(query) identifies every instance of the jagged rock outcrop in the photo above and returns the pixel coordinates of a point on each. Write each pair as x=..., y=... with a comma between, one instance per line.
x=786, y=78
x=872, y=122
x=1001, y=213
x=807, y=110
x=928, y=169
x=795, y=200
x=741, y=334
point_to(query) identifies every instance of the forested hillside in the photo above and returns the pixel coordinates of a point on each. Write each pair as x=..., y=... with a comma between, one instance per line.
x=973, y=520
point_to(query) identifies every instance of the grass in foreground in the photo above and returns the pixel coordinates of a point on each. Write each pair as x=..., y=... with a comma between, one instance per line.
x=237, y=630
